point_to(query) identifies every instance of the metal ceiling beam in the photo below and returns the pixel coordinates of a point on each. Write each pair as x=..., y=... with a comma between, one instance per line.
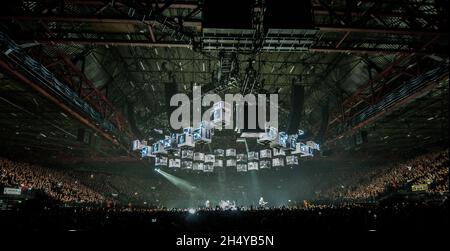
x=60, y=104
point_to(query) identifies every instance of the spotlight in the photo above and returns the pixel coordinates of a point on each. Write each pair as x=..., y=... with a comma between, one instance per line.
x=191, y=211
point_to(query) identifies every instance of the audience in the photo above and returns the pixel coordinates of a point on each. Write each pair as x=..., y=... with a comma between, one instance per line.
x=83, y=187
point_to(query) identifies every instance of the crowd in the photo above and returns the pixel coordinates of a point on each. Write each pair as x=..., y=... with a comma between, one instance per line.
x=409, y=217
x=103, y=188
x=54, y=184
x=83, y=187
x=429, y=169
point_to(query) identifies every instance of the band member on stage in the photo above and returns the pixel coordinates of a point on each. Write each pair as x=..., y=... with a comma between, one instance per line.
x=262, y=203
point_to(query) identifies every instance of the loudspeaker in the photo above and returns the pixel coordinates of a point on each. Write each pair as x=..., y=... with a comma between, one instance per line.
x=288, y=14
x=229, y=14
x=297, y=100
x=320, y=138
x=83, y=136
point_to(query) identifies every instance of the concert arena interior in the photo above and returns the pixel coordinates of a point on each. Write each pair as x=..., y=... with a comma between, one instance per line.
x=244, y=118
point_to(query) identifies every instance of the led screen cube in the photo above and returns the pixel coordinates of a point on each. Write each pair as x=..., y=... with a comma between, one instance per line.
x=265, y=164
x=218, y=163
x=210, y=158
x=208, y=168
x=265, y=153
x=278, y=152
x=231, y=162
x=230, y=152
x=197, y=166
x=186, y=165
x=219, y=152
x=241, y=158
x=291, y=160
x=187, y=154
x=241, y=167
x=252, y=166
x=199, y=156
x=174, y=163
x=253, y=156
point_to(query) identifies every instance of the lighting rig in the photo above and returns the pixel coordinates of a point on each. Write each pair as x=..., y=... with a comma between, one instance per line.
x=177, y=150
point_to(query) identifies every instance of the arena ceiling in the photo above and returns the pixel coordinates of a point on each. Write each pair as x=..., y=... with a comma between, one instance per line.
x=131, y=51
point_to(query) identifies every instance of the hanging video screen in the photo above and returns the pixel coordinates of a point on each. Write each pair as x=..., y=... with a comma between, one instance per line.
x=292, y=160
x=218, y=163
x=208, y=167
x=265, y=153
x=252, y=166
x=187, y=154
x=210, y=158
x=197, y=166
x=219, y=152
x=241, y=157
x=174, y=163
x=231, y=152
x=265, y=164
x=186, y=164
x=231, y=162
x=253, y=156
x=278, y=152
x=241, y=167
x=161, y=161
x=199, y=156
x=277, y=162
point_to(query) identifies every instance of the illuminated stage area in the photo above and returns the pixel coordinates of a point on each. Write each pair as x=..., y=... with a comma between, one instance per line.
x=240, y=122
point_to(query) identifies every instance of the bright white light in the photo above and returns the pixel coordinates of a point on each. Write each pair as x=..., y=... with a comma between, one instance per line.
x=204, y=68
x=156, y=51
x=430, y=118
x=159, y=67
x=292, y=69
x=142, y=65
x=191, y=211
